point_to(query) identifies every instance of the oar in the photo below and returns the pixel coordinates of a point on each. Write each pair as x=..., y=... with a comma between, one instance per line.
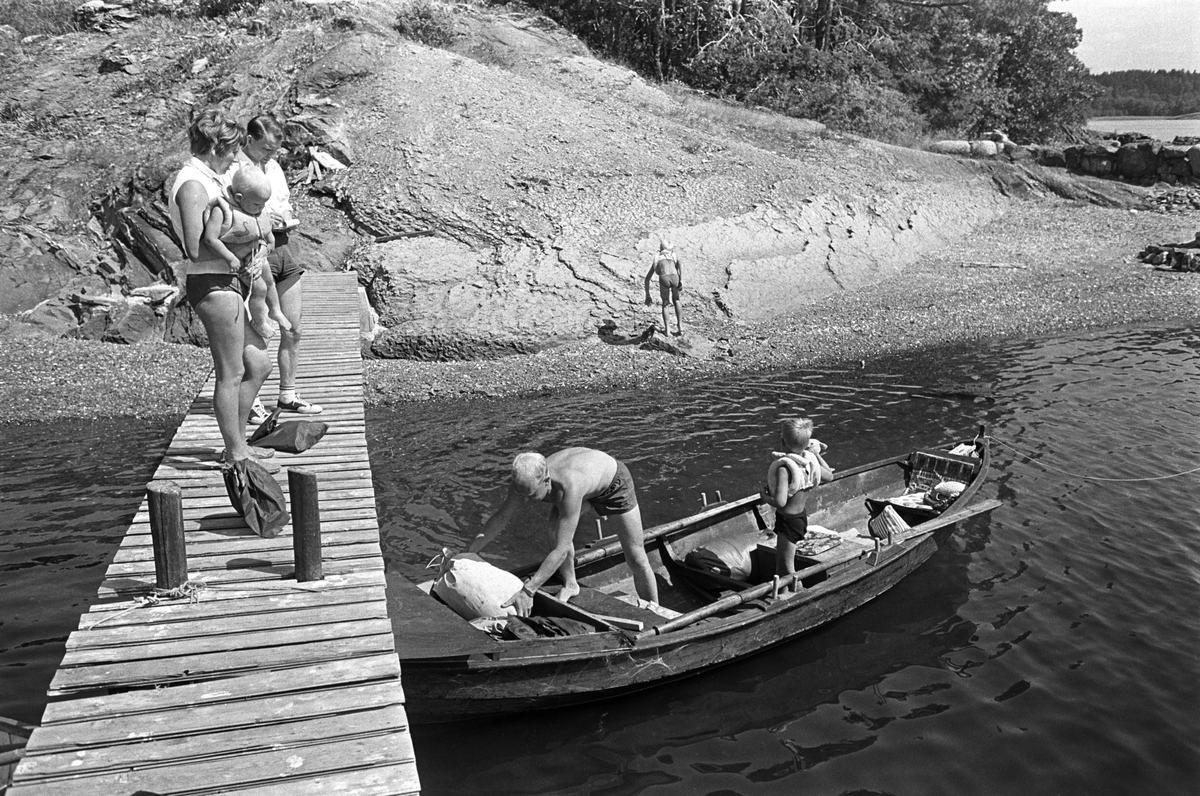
x=597, y=551
x=734, y=600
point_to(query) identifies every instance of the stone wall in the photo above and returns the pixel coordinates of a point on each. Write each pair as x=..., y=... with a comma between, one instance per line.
x=1130, y=157
x=1142, y=160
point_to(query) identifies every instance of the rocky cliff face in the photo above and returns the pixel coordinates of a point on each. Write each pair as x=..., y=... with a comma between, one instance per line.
x=547, y=178
x=498, y=197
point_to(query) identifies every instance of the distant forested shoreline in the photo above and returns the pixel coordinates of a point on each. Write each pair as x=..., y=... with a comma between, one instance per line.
x=1140, y=92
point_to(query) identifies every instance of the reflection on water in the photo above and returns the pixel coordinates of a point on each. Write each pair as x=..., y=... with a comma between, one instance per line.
x=439, y=470
x=1045, y=649
x=68, y=491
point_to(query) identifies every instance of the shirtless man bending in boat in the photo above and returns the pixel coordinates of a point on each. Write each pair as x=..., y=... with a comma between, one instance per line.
x=566, y=479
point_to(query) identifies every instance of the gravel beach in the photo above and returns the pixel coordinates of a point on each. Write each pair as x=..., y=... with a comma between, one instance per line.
x=1046, y=267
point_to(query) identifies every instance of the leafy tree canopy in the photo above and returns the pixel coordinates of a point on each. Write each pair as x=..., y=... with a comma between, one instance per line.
x=877, y=67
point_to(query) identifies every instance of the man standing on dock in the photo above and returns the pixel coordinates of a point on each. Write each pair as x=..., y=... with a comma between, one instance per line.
x=566, y=479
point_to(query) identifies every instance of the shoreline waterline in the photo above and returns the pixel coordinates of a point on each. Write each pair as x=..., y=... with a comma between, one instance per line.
x=1046, y=267
x=1163, y=128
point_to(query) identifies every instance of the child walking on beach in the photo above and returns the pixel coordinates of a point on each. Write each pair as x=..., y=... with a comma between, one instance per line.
x=239, y=230
x=796, y=470
x=670, y=283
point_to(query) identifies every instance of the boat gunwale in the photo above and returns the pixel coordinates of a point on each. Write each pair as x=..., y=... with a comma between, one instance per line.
x=519, y=653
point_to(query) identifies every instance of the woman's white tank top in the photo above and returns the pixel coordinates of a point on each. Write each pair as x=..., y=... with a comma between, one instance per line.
x=214, y=185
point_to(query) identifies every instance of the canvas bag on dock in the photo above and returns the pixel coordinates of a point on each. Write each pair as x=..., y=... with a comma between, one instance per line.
x=293, y=436
x=256, y=496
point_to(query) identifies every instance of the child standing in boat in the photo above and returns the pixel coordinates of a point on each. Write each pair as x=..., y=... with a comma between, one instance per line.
x=796, y=470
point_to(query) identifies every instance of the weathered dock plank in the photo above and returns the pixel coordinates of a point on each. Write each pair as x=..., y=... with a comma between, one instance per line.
x=253, y=682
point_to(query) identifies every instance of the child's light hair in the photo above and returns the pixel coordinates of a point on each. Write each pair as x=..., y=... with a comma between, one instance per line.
x=529, y=470
x=797, y=431
x=250, y=180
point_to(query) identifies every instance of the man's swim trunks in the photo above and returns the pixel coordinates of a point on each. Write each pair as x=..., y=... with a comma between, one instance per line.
x=283, y=260
x=200, y=285
x=792, y=527
x=619, y=497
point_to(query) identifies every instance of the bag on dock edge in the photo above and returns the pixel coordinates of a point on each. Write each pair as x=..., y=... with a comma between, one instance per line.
x=293, y=436
x=256, y=496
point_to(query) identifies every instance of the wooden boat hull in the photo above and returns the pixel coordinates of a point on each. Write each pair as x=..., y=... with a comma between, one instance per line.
x=485, y=677
x=454, y=690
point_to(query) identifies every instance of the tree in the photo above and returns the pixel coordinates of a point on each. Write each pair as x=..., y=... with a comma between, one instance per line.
x=1045, y=85
x=867, y=66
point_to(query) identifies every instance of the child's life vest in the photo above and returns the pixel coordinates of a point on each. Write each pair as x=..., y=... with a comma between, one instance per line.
x=239, y=228
x=804, y=470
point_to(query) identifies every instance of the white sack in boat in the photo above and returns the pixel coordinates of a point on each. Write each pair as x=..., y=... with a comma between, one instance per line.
x=475, y=589
x=728, y=556
x=949, y=489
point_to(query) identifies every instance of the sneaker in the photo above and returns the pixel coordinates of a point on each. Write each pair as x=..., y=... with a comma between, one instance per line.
x=300, y=406
x=258, y=413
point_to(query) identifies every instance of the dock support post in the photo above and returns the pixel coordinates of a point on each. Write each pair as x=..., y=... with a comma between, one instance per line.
x=306, y=524
x=166, y=533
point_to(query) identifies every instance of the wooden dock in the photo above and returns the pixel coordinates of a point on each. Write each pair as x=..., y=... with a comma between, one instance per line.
x=260, y=684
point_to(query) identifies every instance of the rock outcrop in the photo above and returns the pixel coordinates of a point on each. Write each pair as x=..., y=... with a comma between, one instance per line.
x=496, y=198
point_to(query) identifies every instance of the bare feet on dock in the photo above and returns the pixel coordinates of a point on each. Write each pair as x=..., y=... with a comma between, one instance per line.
x=260, y=456
x=567, y=592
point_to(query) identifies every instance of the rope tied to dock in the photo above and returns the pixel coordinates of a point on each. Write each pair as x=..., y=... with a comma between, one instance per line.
x=1045, y=466
x=191, y=591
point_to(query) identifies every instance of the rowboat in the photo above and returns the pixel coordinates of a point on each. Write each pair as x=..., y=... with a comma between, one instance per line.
x=869, y=528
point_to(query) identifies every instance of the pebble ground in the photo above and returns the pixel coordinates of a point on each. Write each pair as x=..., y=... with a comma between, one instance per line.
x=1047, y=267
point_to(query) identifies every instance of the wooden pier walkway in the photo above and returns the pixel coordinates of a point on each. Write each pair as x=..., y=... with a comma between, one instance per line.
x=262, y=685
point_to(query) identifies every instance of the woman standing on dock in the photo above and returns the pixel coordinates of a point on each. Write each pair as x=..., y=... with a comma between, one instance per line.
x=216, y=292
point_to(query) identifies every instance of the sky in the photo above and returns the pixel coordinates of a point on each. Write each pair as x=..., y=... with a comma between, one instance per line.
x=1136, y=34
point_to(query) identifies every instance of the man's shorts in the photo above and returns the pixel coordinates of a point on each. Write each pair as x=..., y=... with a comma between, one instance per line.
x=284, y=264
x=198, y=286
x=620, y=496
x=792, y=527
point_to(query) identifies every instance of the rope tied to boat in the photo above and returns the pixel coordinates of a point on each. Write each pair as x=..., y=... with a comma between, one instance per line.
x=1045, y=466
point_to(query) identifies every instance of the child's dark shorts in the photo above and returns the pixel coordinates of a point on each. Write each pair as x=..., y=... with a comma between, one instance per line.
x=792, y=527
x=282, y=258
x=198, y=286
x=619, y=497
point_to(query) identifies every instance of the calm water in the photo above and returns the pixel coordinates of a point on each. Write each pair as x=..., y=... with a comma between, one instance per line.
x=1047, y=649
x=1050, y=648
x=68, y=491
x=1154, y=126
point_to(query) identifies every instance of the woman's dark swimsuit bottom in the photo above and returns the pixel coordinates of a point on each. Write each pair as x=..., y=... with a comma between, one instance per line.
x=200, y=285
